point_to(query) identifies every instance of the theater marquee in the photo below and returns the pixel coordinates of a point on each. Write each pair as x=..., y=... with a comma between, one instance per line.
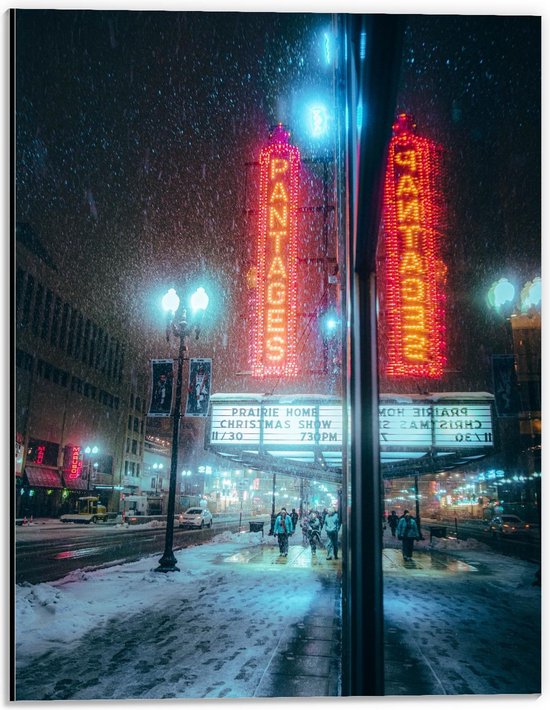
x=309, y=428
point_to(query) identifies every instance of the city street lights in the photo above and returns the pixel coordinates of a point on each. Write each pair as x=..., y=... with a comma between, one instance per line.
x=177, y=325
x=88, y=452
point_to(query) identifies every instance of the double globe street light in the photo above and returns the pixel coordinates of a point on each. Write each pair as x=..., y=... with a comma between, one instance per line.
x=177, y=325
x=88, y=452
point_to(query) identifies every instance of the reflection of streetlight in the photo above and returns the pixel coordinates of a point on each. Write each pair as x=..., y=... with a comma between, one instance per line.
x=179, y=327
x=501, y=295
x=531, y=295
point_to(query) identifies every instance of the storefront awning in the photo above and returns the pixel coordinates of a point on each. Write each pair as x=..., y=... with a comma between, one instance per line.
x=43, y=477
x=75, y=484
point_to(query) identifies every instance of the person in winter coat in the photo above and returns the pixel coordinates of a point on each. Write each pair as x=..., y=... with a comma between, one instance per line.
x=283, y=528
x=313, y=531
x=294, y=517
x=407, y=532
x=393, y=520
x=332, y=526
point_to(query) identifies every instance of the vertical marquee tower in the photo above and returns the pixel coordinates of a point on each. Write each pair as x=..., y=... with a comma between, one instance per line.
x=275, y=329
x=412, y=271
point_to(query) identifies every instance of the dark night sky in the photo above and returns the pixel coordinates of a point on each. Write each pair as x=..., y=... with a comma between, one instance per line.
x=133, y=129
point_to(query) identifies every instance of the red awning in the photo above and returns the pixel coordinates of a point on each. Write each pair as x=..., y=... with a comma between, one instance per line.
x=75, y=484
x=43, y=476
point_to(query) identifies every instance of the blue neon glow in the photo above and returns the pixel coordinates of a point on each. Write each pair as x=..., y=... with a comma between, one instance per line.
x=318, y=120
x=363, y=45
x=327, y=47
x=359, y=117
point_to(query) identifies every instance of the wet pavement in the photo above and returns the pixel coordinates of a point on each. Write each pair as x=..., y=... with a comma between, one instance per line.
x=435, y=607
x=307, y=660
x=456, y=622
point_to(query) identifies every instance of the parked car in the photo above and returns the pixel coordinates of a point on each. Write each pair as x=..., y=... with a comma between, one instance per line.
x=508, y=525
x=195, y=518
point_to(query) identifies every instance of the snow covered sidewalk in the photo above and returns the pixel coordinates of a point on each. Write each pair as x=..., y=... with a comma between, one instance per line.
x=239, y=622
x=215, y=629
x=461, y=619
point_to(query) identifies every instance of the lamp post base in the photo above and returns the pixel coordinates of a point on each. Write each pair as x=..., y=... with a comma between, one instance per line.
x=167, y=563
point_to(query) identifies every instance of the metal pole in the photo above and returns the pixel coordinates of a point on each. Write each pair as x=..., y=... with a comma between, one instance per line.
x=273, y=505
x=417, y=502
x=167, y=562
x=241, y=514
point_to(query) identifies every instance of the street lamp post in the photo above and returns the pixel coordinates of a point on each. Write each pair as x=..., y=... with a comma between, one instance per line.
x=181, y=329
x=88, y=451
x=273, y=516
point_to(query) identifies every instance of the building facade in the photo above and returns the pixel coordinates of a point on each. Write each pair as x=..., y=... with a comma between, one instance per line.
x=79, y=406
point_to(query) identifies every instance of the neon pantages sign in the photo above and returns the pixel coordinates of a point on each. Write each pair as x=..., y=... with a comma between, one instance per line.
x=414, y=273
x=275, y=336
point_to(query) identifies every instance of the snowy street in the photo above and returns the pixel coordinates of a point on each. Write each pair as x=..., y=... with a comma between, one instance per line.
x=211, y=630
x=238, y=621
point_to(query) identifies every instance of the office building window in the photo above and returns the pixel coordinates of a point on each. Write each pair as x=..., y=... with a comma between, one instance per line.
x=72, y=332
x=37, y=308
x=64, y=324
x=55, y=321
x=29, y=290
x=46, y=316
x=86, y=341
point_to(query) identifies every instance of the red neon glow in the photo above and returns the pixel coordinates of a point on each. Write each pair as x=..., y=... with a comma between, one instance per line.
x=412, y=285
x=40, y=451
x=275, y=335
x=75, y=462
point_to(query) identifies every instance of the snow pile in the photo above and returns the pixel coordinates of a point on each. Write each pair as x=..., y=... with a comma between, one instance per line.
x=242, y=538
x=142, y=526
x=452, y=543
x=51, y=616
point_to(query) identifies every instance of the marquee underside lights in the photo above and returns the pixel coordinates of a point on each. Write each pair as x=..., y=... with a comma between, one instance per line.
x=275, y=336
x=414, y=274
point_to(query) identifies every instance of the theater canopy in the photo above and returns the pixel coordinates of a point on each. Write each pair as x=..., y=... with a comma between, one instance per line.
x=302, y=434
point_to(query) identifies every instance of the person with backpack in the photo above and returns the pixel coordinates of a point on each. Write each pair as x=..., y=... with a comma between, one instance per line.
x=407, y=532
x=313, y=531
x=283, y=528
x=393, y=520
x=332, y=526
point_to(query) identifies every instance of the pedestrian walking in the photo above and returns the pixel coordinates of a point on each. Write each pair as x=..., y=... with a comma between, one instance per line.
x=313, y=532
x=393, y=520
x=304, y=526
x=283, y=528
x=332, y=527
x=294, y=517
x=407, y=532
